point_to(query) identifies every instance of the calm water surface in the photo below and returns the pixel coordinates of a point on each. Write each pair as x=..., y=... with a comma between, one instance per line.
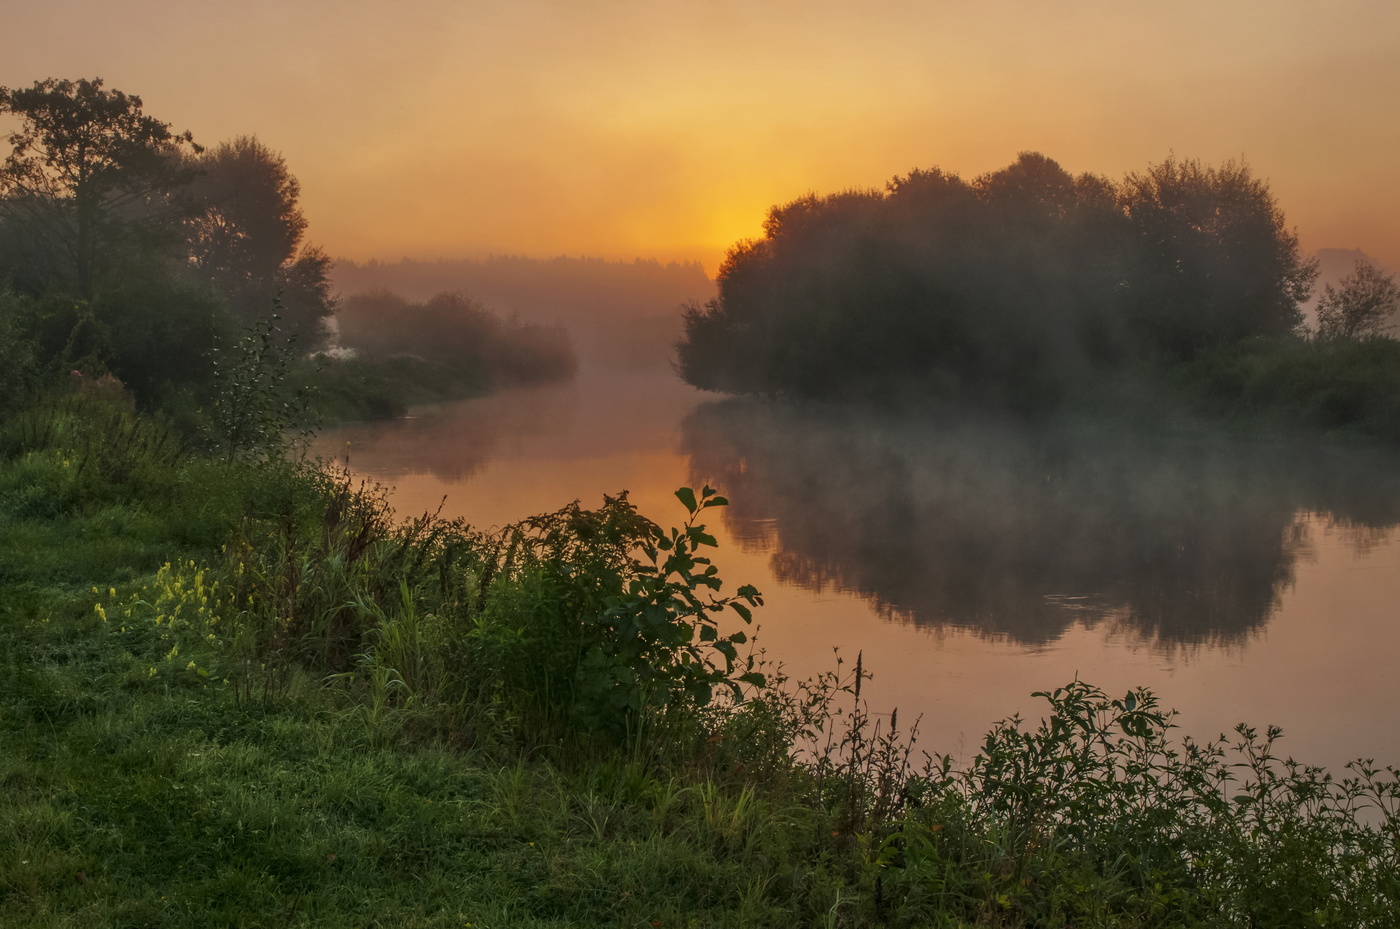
x=976, y=562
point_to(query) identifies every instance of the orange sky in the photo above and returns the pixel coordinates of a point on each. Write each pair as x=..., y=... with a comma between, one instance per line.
x=622, y=128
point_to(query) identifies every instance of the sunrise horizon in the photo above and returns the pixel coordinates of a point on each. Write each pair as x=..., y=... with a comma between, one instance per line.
x=668, y=131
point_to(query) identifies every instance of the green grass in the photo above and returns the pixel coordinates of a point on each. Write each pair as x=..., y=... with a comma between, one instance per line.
x=244, y=695
x=367, y=389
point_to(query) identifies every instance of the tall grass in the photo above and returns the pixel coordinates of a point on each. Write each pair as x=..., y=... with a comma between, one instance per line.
x=238, y=693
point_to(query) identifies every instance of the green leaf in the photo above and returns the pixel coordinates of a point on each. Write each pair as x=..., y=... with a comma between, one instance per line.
x=687, y=496
x=755, y=678
x=743, y=611
x=700, y=537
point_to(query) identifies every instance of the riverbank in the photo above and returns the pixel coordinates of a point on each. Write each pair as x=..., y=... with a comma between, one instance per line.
x=360, y=390
x=245, y=693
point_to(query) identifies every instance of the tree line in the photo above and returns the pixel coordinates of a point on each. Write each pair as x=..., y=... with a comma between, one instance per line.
x=1016, y=286
x=130, y=252
x=126, y=248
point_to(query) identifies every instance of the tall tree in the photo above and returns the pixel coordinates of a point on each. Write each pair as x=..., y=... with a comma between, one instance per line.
x=1216, y=261
x=89, y=172
x=244, y=234
x=1361, y=304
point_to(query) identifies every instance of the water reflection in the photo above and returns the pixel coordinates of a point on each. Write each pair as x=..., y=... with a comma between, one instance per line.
x=629, y=412
x=1020, y=533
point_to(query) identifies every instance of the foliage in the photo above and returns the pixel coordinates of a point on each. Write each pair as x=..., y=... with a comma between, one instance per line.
x=1215, y=262
x=355, y=389
x=454, y=330
x=1361, y=304
x=1221, y=833
x=88, y=171
x=603, y=619
x=17, y=362
x=134, y=250
x=237, y=693
x=258, y=411
x=1341, y=387
x=1013, y=287
x=244, y=232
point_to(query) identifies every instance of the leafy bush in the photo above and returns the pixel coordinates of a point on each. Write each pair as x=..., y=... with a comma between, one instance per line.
x=258, y=410
x=1097, y=811
x=604, y=620
x=1345, y=386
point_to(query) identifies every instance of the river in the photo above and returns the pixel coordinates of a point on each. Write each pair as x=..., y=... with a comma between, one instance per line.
x=974, y=562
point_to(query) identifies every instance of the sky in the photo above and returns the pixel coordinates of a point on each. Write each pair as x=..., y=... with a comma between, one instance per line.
x=665, y=129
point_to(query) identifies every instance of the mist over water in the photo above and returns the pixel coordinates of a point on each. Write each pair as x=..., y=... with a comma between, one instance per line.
x=974, y=560
x=1018, y=532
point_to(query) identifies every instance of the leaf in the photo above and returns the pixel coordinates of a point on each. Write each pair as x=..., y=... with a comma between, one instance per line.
x=755, y=678
x=715, y=501
x=687, y=496
x=743, y=611
x=700, y=537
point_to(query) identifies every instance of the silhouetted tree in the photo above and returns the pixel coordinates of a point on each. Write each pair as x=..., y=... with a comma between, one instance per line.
x=1360, y=305
x=244, y=234
x=89, y=173
x=933, y=285
x=1010, y=287
x=1216, y=262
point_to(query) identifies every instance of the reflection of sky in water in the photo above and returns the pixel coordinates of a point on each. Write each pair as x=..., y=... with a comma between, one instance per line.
x=1240, y=583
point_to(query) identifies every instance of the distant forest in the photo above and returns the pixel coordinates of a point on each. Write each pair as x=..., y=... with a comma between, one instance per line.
x=1029, y=285
x=558, y=289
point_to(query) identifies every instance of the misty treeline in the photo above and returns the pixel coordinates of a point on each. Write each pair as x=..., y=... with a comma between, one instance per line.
x=619, y=313
x=126, y=248
x=557, y=289
x=453, y=329
x=1020, y=286
x=131, y=255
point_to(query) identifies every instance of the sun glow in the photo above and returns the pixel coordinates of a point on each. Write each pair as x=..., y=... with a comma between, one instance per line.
x=668, y=129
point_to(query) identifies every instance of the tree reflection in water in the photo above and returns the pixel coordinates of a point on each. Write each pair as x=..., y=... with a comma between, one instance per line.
x=1020, y=532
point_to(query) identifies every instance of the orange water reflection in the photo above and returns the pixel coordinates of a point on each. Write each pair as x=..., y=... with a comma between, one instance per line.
x=973, y=565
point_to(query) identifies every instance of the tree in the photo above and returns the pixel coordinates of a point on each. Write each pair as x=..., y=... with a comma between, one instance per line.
x=244, y=234
x=1360, y=305
x=89, y=172
x=244, y=223
x=1216, y=263
x=999, y=287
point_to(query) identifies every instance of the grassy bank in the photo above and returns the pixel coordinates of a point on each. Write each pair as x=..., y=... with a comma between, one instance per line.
x=242, y=692
x=361, y=390
x=1346, y=389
